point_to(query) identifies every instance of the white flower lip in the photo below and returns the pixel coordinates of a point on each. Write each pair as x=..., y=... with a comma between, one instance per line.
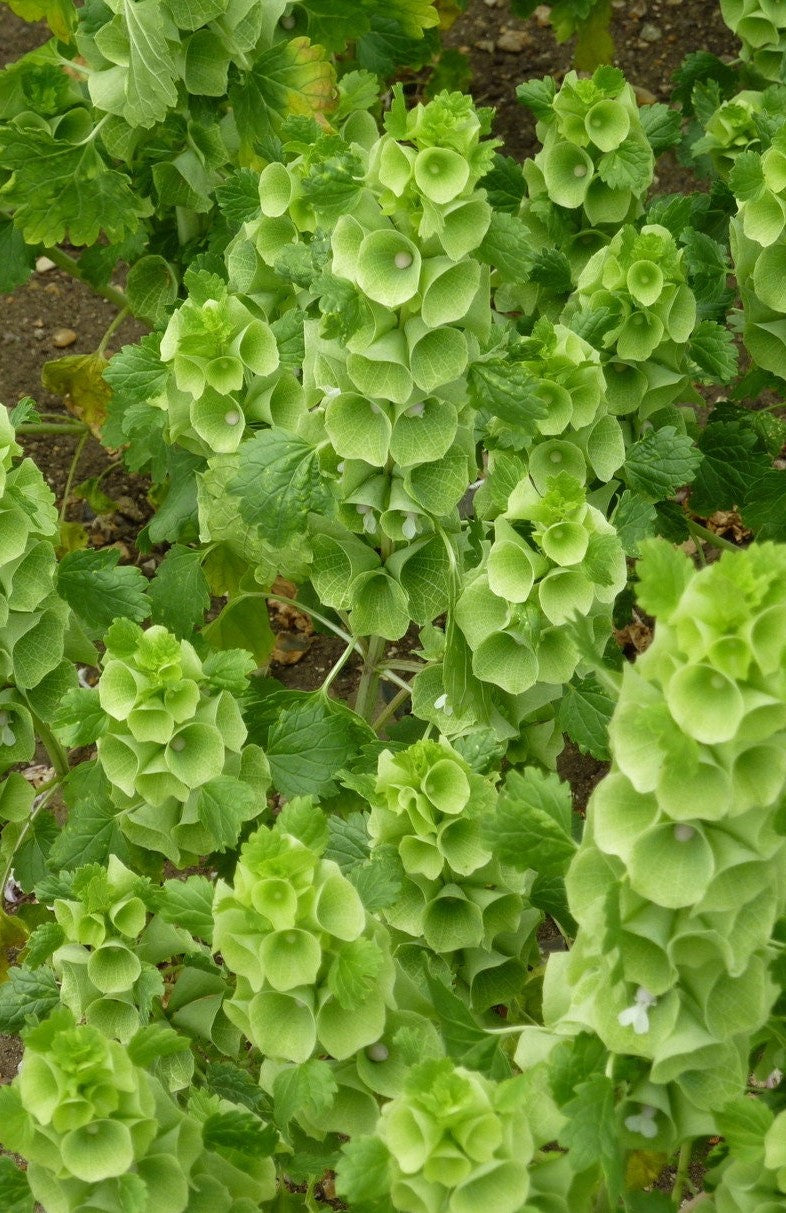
x=637, y=1016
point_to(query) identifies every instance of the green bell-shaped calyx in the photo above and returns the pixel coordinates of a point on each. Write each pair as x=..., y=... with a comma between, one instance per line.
x=680, y=856
x=312, y=971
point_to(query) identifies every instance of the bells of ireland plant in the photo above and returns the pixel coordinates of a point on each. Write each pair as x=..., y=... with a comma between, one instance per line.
x=751, y=1180
x=172, y=742
x=452, y=1140
x=596, y=159
x=757, y=235
x=761, y=27
x=468, y=908
x=214, y=347
x=679, y=879
x=33, y=618
x=735, y=127
x=97, y=1131
x=313, y=972
x=551, y=556
x=639, y=277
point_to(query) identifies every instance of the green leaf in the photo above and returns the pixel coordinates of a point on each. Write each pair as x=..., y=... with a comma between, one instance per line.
x=506, y=246
x=700, y=66
x=151, y=288
x=507, y=390
x=551, y=268
x=764, y=508
x=239, y=1131
x=80, y=720
x=591, y=1131
x=712, y=348
x=243, y=622
x=661, y=462
x=238, y=197
x=573, y=1062
x=291, y=78
x=61, y=190
x=99, y=590
x=141, y=87
x=465, y=1040
x=30, y=859
x=44, y=940
x=353, y=973
x=363, y=1171
x=746, y=179
x=628, y=167
x=90, y=835
x=531, y=825
x=538, y=96
x=230, y=1082
x=223, y=805
x=16, y=259
x=179, y=593
x=504, y=185
x=60, y=15
x=312, y=738
x=15, y=1194
x=189, y=904
x=634, y=520
x=279, y=482
x=744, y=1123
x=663, y=572
x=153, y=1041
x=730, y=466
x=349, y=844
x=309, y=1087
x=584, y=714
x=379, y=881
x=229, y=669
x=661, y=126
x=26, y=995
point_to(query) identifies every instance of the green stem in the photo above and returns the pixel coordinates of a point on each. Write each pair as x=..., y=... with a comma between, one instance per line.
x=412, y=667
x=37, y=427
x=391, y=708
x=681, y=1177
x=389, y=676
x=80, y=446
x=336, y=669
x=118, y=320
x=58, y=756
x=368, y=688
x=323, y=619
x=698, y=531
x=69, y=264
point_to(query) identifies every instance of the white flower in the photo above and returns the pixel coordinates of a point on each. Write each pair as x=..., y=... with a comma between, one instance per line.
x=644, y=1122
x=7, y=734
x=409, y=527
x=440, y=703
x=637, y=1016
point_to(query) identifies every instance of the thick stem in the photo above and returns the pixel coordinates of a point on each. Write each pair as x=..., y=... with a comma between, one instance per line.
x=69, y=264
x=681, y=1177
x=368, y=689
x=58, y=756
x=391, y=708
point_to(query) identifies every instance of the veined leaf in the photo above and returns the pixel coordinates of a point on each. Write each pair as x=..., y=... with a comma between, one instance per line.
x=661, y=462
x=99, y=590
x=292, y=78
x=279, y=481
x=78, y=378
x=60, y=15
x=141, y=86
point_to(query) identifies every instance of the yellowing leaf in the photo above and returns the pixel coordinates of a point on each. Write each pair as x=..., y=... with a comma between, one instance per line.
x=291, y=79
x=79, y=380
x=13, y=934
x=644, y=1166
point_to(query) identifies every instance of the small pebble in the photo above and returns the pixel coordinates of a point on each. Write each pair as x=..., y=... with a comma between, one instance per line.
x=485, y=44
x=43, y=265
x=52, y=289
x=650, y=32
x=514, y=41
x=62, y=338
x=542, y=15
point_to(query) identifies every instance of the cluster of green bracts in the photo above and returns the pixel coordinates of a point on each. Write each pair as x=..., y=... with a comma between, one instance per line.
x=34, y=619
x=758, y=245
x=313, y=972
x=100, y=1133
x=760, y=26
x=469, y=908
x=172, y=743
x=678, y=882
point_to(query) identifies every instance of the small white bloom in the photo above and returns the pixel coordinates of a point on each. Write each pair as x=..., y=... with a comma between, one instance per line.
x=644, y=1122
x=330, y=392
x=637, y=1016
x=440, y=703
x=409, y=527
x=416, y=410
x=7, y=734
x=683, y=833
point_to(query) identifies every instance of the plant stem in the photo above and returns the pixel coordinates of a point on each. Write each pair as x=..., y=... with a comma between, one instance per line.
x=43, y=800
x=698, y=531
x=38, y=427
x=315, y=615
x=368, y=689
x=58, y=756
x=391, y=708
x=80, y=446
x=336, y=669
x=681, y=1178
x=69, y=264
x=389, y=676
x=118, y=320
x=413, y=667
